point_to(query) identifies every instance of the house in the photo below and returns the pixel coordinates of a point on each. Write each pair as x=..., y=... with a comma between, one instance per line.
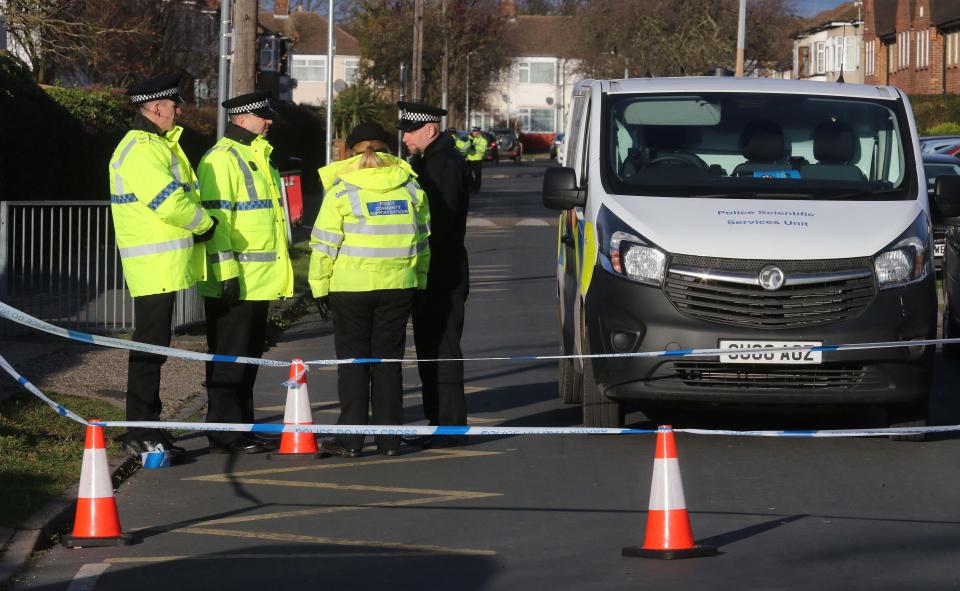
x=830, y=44
x=535, y=92
x=308, y=60
x=913, y=44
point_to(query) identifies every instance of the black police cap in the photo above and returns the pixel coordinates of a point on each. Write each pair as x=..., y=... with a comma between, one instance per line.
x=256, y=103
x=415, y=115
x=156, y=88
x=369, y=131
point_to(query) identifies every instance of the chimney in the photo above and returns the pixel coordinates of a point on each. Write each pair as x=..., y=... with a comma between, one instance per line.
x=281, y=8
x=508, y=9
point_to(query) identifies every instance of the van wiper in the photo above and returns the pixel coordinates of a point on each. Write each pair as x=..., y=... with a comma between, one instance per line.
x=754, y=195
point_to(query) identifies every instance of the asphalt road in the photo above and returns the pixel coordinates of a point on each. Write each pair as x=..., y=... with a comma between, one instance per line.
x=535, y=512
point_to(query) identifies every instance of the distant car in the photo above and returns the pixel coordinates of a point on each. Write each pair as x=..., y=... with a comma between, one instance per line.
x=508, y=144
x=491, y=155
x=555, y=146
x=938, y=143
x=935, y=165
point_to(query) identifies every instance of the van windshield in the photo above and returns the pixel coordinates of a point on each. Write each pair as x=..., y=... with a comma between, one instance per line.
x=749, y=145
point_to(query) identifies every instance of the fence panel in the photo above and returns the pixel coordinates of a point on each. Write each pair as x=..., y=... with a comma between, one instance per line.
x=59, y=262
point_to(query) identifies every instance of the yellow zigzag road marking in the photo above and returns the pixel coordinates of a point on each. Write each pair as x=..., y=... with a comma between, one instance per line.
x=344, y=508
x=425, y=456
x=157, y=559
x=352, y=487
x=429, y=548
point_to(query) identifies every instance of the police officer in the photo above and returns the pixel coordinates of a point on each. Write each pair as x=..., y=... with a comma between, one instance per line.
x=158, y=220
x=462, y=144
x=475, y=151
x=370, y=254
x=248, y=263
x=438, y=311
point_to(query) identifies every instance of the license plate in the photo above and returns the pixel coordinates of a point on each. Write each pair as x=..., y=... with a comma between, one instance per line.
x=938, y=249
x=754, y=352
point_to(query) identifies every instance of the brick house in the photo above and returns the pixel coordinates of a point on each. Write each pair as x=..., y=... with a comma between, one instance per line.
x=913, y=44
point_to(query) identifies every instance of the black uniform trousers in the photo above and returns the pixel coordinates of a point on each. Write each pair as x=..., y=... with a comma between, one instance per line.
x=154, y=316
x=233, y=330
x=437, y=328
x=476, y=173
x=370, y=324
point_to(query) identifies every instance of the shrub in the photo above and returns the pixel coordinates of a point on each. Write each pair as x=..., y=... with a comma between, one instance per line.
x=931, y=110
x=97, y=109
x=949, y=128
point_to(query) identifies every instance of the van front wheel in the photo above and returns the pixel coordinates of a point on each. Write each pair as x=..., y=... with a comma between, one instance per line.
x=598, y=410
x=908, y=415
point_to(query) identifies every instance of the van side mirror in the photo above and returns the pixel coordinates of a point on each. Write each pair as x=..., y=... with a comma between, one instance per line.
x=946, y=196
x=560, y=190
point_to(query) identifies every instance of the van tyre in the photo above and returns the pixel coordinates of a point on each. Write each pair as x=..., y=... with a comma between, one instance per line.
x=598, y=410
x=570, y=382
x=909, y=415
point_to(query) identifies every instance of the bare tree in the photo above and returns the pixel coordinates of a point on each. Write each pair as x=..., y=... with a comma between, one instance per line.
x=54, y=32
x=383, y=28
x=677, y=37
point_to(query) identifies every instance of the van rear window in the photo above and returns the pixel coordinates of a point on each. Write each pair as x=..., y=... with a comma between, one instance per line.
x=749, y=144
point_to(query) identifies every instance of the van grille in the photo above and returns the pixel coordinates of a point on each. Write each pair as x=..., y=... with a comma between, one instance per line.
x=713, y=374
x=792, y=306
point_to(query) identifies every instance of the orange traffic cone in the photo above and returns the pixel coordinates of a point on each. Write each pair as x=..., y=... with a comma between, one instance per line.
x=669, y=534
x=297, y=446
x=97, y=522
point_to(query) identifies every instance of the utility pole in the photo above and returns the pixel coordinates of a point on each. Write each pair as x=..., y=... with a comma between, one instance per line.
x=446, y=52
x=243, y=75
x=417, y=50
x=223, y=79
x=330, y=56
x=741, y=35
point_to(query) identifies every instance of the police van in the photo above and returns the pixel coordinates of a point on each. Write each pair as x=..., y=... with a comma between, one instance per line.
x=743, y=214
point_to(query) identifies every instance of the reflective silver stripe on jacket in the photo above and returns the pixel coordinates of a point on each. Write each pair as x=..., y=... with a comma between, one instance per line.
x=356, y=206
x=256, y=257
x=197, y=218
x=380, y=253
x=247, y=175
x=327, y=236
x=412, y=189
x=380, y=229
x=325, y=249
x=116, y=165
x=138, y=251
x=220, y=257
x=175, y=169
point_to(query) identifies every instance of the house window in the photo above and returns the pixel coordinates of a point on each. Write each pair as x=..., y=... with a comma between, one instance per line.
x=891, y=53
x=870, y=66
x=350, y=67
x=803, y=64
x=542, y=72
x=523, y=72
x=923, y=49
x=309, y=68
x=949, y=42
x=537, y=120
x=851, y=57
x=821, y=58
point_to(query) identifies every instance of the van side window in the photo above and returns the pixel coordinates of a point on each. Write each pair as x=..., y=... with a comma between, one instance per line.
x=573, y=135
x=584, y=161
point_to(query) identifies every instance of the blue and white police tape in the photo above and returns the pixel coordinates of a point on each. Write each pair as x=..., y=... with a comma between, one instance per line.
x=25, y=319
x=413, y=430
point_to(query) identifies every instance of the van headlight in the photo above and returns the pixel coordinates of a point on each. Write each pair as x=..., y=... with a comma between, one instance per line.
x=631, y=257
x=907, y=259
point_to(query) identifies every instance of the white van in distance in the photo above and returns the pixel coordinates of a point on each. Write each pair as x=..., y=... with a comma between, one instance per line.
x=738, y=213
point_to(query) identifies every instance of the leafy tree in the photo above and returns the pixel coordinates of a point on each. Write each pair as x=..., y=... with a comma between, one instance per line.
x=678, y=37
x=358, y=104
x=384, y=29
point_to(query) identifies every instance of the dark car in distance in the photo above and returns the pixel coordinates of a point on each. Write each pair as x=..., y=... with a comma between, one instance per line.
x=935, y=165
x=508, y=145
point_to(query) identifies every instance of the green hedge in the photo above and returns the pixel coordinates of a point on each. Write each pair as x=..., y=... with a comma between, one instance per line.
x=935, y=112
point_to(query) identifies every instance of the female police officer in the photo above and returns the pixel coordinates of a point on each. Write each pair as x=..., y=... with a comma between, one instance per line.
x=369, y=255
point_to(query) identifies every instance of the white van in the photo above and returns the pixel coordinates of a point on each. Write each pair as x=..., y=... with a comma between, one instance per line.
x=742, y=213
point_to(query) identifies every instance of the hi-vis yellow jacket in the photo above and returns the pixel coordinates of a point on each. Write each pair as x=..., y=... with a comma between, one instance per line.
x=240, y=188
x=372, y=229
x=479, y=147
x=156, y=212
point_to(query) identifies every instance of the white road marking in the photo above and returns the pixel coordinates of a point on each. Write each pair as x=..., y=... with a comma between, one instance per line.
x=86, y=577
x=533, y=222
x=479, y=223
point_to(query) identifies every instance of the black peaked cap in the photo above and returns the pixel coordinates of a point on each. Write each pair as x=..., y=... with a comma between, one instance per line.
x=158, y=87
x=256, y=103
x=414, y=115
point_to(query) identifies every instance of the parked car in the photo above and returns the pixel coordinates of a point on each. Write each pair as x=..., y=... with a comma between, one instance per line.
x=556, y=146
x=935, y=165
x=491, y=155
x=937, y=143
x=508, y=145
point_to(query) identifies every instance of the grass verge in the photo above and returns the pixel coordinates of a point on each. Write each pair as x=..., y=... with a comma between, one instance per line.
x=41, y=452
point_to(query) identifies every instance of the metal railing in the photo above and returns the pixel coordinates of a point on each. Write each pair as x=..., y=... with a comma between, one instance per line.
x=59, y=262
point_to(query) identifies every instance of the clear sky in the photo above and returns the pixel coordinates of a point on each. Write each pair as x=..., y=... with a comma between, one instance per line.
x=808, y=8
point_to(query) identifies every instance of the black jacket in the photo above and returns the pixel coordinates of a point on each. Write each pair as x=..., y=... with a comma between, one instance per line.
x=443, y=174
